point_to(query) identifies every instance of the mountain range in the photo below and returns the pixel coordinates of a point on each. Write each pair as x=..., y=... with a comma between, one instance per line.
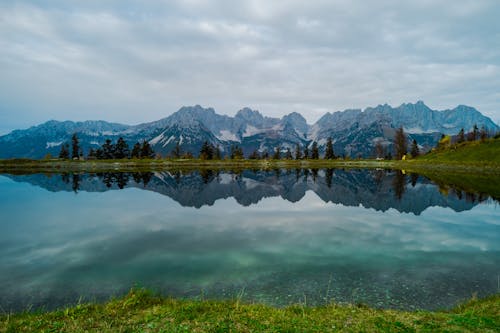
x=355, y=132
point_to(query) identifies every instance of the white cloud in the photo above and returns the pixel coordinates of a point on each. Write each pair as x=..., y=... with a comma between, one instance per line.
x=130, y=62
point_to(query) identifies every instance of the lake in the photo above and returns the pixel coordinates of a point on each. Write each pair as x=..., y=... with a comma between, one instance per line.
x=383, y=238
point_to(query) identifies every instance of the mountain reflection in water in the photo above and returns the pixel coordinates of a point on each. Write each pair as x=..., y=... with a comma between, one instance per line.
x=384, y=238
x=377, y=189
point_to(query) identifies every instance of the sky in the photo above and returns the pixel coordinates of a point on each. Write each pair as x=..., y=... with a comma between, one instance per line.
x=138, y=61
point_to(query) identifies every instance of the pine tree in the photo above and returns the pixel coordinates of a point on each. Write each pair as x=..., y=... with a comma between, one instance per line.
x=75, y=147
x=277, y=153
x=176, y=152
x=254, y=155
x=400, y=144
x=329, y=154
x=288, y=154
x=217, y=155
x=314, y=151
x=92, y=154
x=206, y=152
x=379, y=150
x=483, y=134
x=121, y=149
x=472, y=136
x=99, y=154
x=414, y=149
x=461, y=136
x=108, y=150
x=64, y=153
x=136, y=151
x=146, y=150
x=306, y=152
x=475, y=131
x=298, y=153
x=231, y=152
x=236, y=153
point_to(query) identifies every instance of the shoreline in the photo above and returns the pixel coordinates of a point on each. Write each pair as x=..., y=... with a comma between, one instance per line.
x=56, y=165
x=140, y=310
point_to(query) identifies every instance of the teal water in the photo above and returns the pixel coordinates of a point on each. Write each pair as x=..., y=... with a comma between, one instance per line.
x=279, y=237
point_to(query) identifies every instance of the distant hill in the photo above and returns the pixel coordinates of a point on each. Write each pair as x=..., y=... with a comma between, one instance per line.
x=354, y=132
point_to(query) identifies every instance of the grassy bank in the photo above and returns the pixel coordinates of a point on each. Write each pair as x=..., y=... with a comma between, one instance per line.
x=139, y=311
x=486, y=153
x=35, y=166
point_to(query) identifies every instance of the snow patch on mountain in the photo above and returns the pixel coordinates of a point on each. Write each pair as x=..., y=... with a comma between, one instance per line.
x=251, y=130
x=156, y=139
x=53, y=144
x=226, y=135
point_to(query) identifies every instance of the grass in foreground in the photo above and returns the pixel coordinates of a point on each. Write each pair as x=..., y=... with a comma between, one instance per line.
x=140, y=311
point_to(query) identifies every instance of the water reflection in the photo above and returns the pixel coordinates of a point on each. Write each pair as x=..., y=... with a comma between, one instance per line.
x=378, y=189
x=279, y=235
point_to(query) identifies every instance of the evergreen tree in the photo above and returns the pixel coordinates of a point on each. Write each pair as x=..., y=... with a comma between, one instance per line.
x=99, y=154
x=108, y=150
x=207, y=151
x=315, y=151
x=64, y=153
x=121, y=149
x=461, y=136
x=136, y=151
x=92, y=154
x=329, y=154
x=483, y=134
x=176, y=152
x=298, y=153
x=236, y=153
x=379, y=150
x=254, y=155
x=472, y=136
x=306, y=152
x=146, y=150
x=414, y=149
x=187, y=155
x=277, y=153
x=400, y=144
x=75, y=145
x=217, y=155
x=475, y=131
x=288, y=154
x=265, y=155
x=231, y=152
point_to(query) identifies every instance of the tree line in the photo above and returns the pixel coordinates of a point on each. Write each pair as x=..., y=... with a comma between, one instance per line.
x=108, y=150
x=208, y=151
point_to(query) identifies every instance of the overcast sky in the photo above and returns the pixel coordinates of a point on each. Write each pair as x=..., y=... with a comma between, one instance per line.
x=137, y=61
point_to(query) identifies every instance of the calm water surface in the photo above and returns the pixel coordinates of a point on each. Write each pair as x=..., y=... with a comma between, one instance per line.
x=277, y=237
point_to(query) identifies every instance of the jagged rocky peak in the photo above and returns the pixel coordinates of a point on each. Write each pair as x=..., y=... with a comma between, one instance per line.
x=196, y=111
x=296, y=121
x=253, y=117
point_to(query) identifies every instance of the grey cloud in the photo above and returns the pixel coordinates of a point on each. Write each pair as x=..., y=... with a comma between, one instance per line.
x=132, y=62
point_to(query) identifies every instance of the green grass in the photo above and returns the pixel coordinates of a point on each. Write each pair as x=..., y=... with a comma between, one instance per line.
x=34, y=166
x=487, y=152
x=140, y=311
